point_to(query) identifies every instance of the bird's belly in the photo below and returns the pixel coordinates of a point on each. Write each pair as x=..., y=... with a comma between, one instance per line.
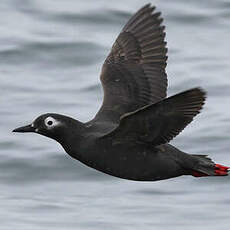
x=133, y=163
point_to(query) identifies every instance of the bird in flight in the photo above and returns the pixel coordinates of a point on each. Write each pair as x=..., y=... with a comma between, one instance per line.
x=130, y=134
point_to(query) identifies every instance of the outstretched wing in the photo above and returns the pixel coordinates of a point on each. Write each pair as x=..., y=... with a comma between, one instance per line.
x=133, y=75
x=161, y=122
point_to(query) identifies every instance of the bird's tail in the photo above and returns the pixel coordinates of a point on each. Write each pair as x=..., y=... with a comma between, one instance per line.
x=206, y=167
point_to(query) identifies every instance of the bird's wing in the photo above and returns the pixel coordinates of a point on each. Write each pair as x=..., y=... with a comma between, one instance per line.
x=161, y=122
x=133, y=74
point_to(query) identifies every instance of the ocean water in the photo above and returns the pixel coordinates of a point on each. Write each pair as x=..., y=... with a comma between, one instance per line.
x=51, y=53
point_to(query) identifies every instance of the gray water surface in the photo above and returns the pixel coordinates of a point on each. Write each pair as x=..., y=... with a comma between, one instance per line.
x=51, y=53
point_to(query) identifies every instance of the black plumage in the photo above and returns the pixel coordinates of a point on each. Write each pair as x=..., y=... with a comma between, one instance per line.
x=129, y=135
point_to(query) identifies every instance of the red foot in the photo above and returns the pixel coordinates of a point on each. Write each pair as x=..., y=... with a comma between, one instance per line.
x=221, y=170
x=198, y=174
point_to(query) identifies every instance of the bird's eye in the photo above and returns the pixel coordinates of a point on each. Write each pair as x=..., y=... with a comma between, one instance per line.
x=49, y=123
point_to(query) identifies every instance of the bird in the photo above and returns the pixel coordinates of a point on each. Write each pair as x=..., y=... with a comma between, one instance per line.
x=129, y=136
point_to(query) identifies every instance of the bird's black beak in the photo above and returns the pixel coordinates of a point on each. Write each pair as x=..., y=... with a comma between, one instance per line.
x=24, y=129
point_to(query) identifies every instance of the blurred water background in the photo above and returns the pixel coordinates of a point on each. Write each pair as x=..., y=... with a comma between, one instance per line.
x=51, y=53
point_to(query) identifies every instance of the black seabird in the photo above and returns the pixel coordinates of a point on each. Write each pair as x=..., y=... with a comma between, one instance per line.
x=129, y=136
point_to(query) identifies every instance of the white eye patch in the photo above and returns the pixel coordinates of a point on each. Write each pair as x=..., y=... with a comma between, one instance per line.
x=50, y=122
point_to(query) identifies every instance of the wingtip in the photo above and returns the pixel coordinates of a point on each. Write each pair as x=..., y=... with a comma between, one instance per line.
x=147, y=5
x=200, y=89
x=200, y=93
x=197, y=91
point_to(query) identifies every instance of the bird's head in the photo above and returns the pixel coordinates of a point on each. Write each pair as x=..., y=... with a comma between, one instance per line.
x=55, y=126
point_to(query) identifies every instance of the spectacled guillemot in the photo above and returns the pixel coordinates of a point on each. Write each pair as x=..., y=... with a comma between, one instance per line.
x=129, y=136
